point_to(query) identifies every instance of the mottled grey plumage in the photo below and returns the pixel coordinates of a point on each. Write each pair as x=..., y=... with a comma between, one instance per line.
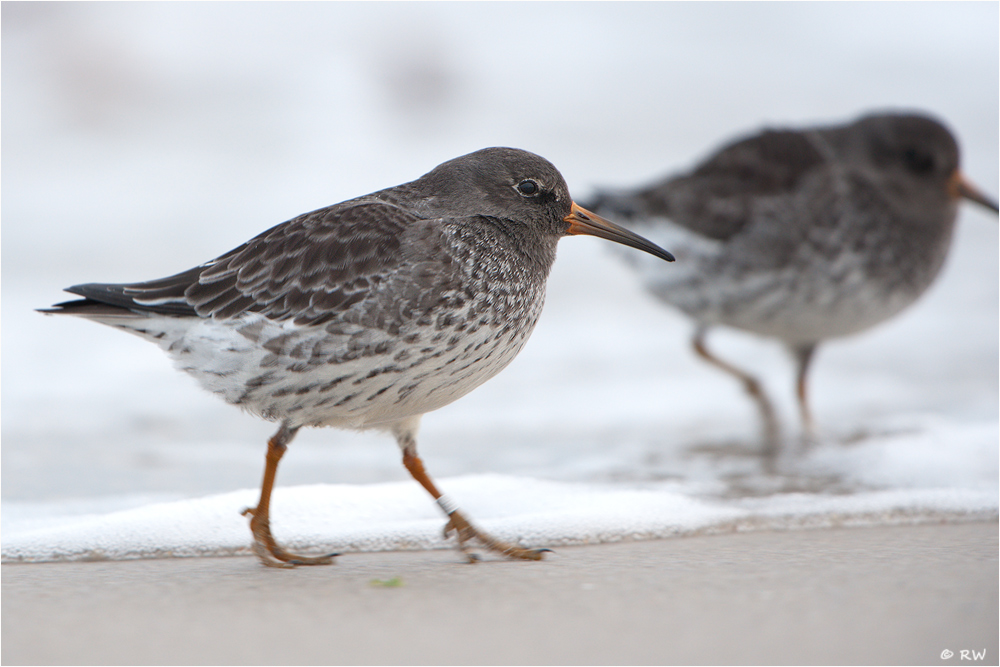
x=803, y=235
x=368, y=313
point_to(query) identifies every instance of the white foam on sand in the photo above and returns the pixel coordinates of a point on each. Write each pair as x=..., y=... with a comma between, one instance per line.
x=943, y=471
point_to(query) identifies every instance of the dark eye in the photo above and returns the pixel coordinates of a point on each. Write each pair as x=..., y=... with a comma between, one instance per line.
x=918, y=161
x=528, y=188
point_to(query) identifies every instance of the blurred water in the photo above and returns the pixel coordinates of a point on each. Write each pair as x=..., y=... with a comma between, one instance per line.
x=140, y=139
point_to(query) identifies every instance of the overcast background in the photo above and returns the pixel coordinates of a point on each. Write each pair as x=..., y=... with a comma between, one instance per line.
x=140, y=139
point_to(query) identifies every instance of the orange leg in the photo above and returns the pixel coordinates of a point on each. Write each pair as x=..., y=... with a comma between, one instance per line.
x=264, y=545
x=463, y=528
x=771, y=431
x=803, y=357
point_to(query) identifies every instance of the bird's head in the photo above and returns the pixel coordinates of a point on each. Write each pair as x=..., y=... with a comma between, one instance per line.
x=524, y=189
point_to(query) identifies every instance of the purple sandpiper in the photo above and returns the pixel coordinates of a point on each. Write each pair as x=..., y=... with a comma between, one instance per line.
x=802, y=235
x=368, y=313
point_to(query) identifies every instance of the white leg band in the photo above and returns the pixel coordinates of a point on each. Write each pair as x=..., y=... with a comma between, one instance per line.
x=445, y=503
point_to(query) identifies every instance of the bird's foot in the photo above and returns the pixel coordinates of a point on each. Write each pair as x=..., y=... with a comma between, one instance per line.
x=466, y=532
x=268, y=550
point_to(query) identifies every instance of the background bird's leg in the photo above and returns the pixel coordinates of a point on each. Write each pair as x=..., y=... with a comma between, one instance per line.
x=803, y=357
x=463, y=528
x=769, y=419
x=264, y=544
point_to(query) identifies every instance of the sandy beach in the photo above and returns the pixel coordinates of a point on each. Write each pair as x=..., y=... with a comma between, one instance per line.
x=881, y=595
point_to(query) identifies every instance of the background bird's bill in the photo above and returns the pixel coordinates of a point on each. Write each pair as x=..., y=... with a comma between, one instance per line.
x=961, y=187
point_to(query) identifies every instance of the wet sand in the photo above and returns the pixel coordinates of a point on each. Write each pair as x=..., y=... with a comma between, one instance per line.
x=882, y=595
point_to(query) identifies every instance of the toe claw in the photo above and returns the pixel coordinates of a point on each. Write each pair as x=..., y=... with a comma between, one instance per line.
x=466, y=532
x=271, y=553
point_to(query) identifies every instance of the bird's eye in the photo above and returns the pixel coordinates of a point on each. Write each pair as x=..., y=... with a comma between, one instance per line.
x=918, y=161
x=528, y=188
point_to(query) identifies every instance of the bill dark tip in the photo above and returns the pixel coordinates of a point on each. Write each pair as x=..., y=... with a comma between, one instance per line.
x=582, y=221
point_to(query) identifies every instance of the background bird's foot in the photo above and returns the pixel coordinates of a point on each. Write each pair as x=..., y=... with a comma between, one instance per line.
x=466, y=532
x=809, y=440
x=268, y=550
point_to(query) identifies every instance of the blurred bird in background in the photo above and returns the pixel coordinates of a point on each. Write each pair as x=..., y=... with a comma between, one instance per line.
x=802, y=236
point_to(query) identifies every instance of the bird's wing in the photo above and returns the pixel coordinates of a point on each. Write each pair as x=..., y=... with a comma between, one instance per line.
x=718, y=198
x=311, y=268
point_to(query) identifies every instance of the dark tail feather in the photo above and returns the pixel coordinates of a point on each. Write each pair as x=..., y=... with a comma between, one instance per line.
x=112, y=295
x=86, y=308
x=163, y=297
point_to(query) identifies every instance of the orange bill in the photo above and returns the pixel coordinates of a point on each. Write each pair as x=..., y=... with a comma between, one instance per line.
x=582, y=221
